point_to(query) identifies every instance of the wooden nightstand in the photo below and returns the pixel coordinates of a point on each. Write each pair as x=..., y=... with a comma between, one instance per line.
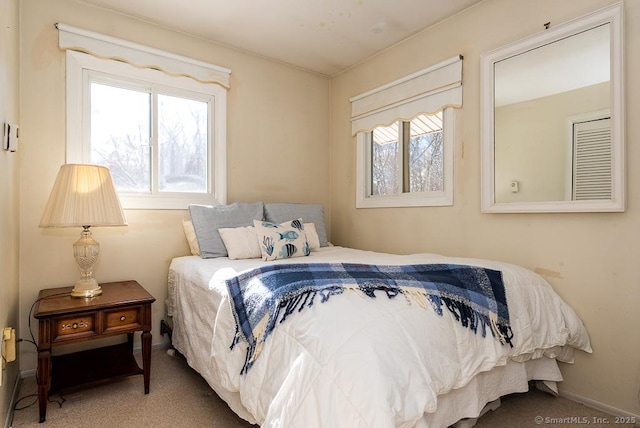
x=123, y=308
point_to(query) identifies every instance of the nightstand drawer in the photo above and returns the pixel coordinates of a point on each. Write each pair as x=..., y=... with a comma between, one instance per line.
x=124, y=319
x=74, y=327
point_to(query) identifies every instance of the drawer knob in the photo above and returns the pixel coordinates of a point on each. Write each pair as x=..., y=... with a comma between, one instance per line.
x=122, y=318
x=75, y=325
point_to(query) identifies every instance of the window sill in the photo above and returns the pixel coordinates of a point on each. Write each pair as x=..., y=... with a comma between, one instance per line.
x=155, y=202
x=439, y=199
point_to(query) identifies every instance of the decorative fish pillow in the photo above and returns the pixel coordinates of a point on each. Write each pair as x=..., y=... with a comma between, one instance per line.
x=282, y=241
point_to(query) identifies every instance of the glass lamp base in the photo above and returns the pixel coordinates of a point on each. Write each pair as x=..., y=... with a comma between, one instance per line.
x=86, y=251
x=86, y=288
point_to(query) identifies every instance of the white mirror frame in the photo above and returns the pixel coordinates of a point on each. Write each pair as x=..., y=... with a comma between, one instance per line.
x=612, y=15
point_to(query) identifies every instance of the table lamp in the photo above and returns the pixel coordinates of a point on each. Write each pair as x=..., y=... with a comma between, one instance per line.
x=84, y=196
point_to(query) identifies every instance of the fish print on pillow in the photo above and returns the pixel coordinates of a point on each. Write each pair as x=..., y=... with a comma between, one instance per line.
x=282, y=241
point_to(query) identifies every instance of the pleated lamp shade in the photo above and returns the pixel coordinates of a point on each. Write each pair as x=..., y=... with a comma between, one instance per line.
x=83, y=195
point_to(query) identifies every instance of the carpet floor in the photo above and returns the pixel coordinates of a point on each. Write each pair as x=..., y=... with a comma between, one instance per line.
x=179, y=397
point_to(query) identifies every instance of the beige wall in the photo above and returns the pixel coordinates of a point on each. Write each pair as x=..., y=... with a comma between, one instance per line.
x=9, y=244
x=278, y=150
x=590, y=259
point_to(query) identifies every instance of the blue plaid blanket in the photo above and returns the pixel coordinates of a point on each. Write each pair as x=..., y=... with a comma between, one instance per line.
x=263, y=296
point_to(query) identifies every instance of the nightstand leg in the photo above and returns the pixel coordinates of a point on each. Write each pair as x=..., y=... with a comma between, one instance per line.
x=130, y=341
x=43, y=374
x=146, y=359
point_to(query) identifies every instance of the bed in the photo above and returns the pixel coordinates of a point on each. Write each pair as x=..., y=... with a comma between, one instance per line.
x=358, y=360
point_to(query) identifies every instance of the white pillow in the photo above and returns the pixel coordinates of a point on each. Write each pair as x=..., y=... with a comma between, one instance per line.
x=312, y=236
x=282, y=241
x=208, y=219
x=241, y=242
x=190, y=234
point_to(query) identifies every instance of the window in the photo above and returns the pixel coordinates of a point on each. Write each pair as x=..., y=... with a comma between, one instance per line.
x=408, y=163
x=162, y=134
x=149, y=150
x=404, y=155
x=407, y=157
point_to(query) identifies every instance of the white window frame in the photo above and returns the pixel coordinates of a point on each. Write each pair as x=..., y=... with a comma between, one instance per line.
x=78, y=67
x=364, y=198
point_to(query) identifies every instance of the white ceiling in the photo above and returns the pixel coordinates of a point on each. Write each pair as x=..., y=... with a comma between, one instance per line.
x=325, y=36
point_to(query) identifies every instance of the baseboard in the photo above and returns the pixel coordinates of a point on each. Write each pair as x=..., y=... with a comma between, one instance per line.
x=14, y=398
x=600, y=406
x=27, y=373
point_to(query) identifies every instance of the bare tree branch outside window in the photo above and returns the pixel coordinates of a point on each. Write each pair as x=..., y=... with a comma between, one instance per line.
x=425, y=152
x=121, y=139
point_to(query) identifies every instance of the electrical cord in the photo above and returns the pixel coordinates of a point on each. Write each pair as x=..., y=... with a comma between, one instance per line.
x=19, y=400
x=33, y=339
x=26, y=406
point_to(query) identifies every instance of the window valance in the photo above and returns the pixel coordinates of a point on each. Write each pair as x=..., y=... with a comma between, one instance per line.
x=107, y=47
x=426, y=91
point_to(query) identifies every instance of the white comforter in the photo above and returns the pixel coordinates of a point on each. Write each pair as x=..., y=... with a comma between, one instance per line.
x=354, y=362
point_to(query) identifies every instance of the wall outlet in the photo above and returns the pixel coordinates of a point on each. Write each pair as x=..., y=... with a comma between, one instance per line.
x=8, y=348
x=9, y=344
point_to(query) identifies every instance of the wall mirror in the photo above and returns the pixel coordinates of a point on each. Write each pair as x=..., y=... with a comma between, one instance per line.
x=552, y=119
